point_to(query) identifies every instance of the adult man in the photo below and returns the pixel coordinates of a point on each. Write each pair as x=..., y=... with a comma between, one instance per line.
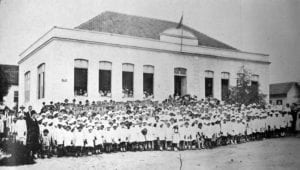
x=33, y=132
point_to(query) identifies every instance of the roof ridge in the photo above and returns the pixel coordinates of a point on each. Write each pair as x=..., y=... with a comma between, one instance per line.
x=126, y=14
x=162, y=20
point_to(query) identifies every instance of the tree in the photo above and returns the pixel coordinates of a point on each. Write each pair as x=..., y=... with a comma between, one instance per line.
x=245, y=92
x=4, y=84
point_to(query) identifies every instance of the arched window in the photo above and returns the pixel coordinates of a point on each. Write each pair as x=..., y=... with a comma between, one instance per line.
x=209, y=83
x=179, y=71
x=27, y=86
x=225, y=76
x=41, y=81
x=81, y=77
x=127, y=80
x=254, y=77
x=180, y=82
x=148, y=74
x=105, y=78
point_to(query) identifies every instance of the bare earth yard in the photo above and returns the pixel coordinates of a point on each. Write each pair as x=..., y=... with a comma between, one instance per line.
x=281, y=153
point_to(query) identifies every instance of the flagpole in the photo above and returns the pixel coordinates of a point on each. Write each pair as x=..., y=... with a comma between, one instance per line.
x=181, y=33
x=181, y=40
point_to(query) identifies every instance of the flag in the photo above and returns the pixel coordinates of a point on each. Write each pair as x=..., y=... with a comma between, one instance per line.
x=180, y=23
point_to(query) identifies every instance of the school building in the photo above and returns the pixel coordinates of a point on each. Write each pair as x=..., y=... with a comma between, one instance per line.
x=124, y=57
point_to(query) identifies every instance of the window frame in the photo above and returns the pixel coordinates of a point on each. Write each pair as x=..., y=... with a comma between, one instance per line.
x=127, y=68
x=148, y=70
x=209, y=75
x=41, y=83
x=104, y=68
x=81, y=66
x=27, y=77
x=225, y=76
x=16, y=96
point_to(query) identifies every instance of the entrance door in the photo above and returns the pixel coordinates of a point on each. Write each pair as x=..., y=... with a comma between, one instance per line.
x=180, y=86
x=177, y=83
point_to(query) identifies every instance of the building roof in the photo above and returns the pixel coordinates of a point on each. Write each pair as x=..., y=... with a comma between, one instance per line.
x=137, y=26
x=281, y=89
x=13, y=73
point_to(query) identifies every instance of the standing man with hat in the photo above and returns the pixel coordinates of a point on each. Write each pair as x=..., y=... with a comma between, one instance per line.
x=33, y=132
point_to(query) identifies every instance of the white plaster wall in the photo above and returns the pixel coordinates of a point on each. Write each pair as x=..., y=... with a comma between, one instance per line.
x=43, y=55
x=59, y=57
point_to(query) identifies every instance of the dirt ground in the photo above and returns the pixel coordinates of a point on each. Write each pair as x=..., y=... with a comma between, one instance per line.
x=281, y=153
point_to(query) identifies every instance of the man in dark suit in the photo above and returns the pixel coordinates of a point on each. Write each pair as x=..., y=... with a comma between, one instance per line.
x=33, y=132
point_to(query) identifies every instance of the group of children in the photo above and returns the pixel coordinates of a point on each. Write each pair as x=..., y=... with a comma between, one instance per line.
x=70, y=129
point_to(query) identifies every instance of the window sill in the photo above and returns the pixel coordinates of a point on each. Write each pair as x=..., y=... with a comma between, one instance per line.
x=81, y=96
x=105, y=96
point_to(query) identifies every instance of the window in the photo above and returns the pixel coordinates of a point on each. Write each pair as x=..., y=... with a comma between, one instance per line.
x=180, y=83
x=278, y=102
x=238, y=80
x=27, y=86
x=127, y=79
x=225, y=85
x=80, y=77
x=254, y=81
x=148, y=75
x=41, y=81
x=209, y=82
x=105, y=78
x=16, y=96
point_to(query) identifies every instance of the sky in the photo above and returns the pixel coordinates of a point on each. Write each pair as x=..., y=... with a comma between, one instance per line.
x=261, y=26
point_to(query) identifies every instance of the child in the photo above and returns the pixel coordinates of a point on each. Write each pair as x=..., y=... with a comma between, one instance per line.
x=68, y=137
x=123, y=133
x=107, y=139
x=176, y=137
x=21, y=130
x=161, y=136
x=59, y=140
x=168, y=136
x=200, y=137
x=90, y=137
x=79, y=141
x=99, y=139
x=45, y=144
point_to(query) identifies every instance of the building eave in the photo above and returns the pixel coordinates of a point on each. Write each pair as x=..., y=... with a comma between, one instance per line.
x=58, y=33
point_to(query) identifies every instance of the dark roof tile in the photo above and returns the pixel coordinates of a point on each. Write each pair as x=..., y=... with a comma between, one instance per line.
x=13, y=73
x=137, y=26
x=281, y=88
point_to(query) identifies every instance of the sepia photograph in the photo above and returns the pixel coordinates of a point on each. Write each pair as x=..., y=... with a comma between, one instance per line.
x=149, y=84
